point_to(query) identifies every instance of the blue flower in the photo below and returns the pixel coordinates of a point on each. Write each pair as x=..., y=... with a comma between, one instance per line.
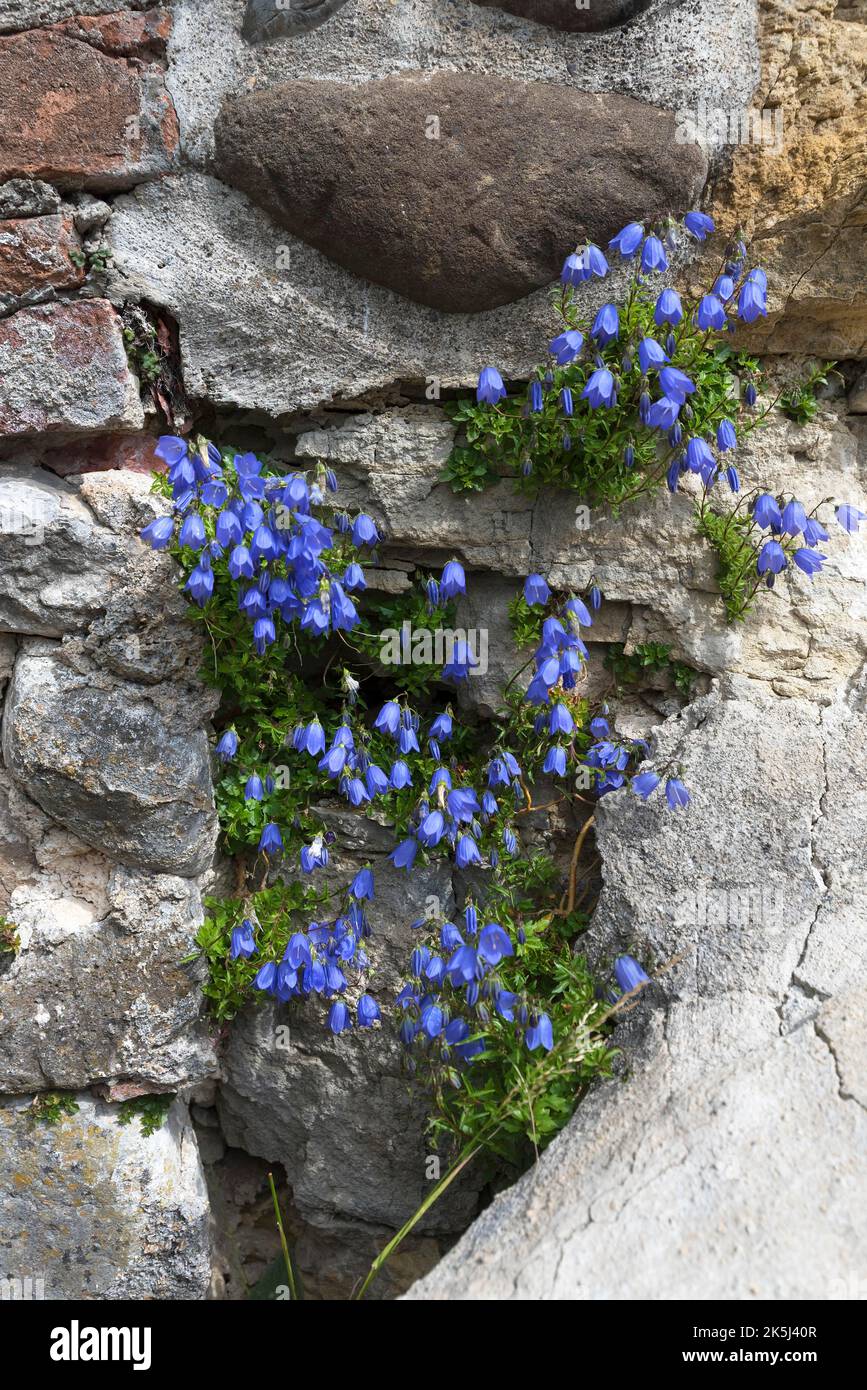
x=463, y=965
x=536, y=590
x=629, y=974
x=599, y=389
x=540, y=1033
x=814, y=531
x=463, y=804
x=264, y=634
x=555, y=761
x=467, y=852
x=711, y=314
x=650, y=354
x=510, y=844
x=698, y=224
x=343, y=613
x=663, y=413
x=494, y=944
x=752, y=299
x=772, y=558
x=432, y=1020
x=201, y=581
x=537, y=399
x=733, y=478
x=242, y=941
x=403, y=855
x=560, y=720
x=672, y=477
x=566, y=346
x=240, y=563
x=432, y=829
x=458, y=667
x=595, y=596
x=566, y=400
x=159, y=532
x=810, y=561
x=644, y=784
x=362, y=884
x=698, y=455
x=388, y=719
x=676, y=384
x=254, y=790
x=794, y=518
x=668, y=308
x=271, y=841
x=353, y=577
x=606, y=324
x=193, y=532
x=767, y=513
x=339, y=1017
x=579, y=610
x=653, y=257
x=227, y=746
x=627, y=240
x=170, y=449
x=490, y=389
x=367, y=1010
x=849, y=517
x=266, y=976
x=453, y=580
x=364, y=531
x=750, y=394
x=676, y=793
x=725, y=436
x=400, y=776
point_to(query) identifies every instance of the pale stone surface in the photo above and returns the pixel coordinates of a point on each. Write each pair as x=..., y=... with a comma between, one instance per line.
x=105, y=763
x=727, y=1165
x=100, y=1211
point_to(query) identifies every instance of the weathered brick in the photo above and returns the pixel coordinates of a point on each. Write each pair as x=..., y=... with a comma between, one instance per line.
x=63, y=369
x=38, y=252
x=79, y=117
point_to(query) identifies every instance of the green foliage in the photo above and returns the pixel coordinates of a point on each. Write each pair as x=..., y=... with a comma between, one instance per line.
x=799, y=401
x=275, y=913
x=150, y=1111
x=10, y=942
x=585, y=452
x=525, y=621
x=731, y=537
x=51, y=1107
x=519, y=1099
x=648, y=658
x=388, y=614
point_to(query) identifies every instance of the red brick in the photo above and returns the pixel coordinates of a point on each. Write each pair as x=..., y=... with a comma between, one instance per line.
x=36, y=252
x=122, y=35
x=108, y=451
x=63, y=370
x=80, y=118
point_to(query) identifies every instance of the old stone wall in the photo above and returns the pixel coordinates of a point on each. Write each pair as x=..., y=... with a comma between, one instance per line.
x=164, y=259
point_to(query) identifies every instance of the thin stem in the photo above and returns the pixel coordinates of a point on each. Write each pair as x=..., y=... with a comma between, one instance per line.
x=284, y=1244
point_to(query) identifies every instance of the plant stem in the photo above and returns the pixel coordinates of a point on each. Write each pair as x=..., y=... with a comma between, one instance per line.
x=284, y=1244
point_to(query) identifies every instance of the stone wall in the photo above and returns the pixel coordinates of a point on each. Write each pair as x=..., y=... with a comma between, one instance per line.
x=164, y=259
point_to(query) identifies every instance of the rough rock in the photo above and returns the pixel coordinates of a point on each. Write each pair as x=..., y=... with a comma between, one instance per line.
x=701, y=1172
x=28, y=198
x=266, y=20
x=63, y=369
x=672, y=56
x=575, y=19
x=807, y=639
x=109, y=765
x=97, y=991
x=453, y=188
x=29, y=14
x=54, y=85
x=799, y=195
x=98, y=1210
x=36, y=254
x=295, y=1099
x=269, y=324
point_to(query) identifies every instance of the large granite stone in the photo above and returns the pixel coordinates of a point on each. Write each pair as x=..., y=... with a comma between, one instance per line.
x=455, y=189
x=575, y=18
x=96, y=1210
x=727, y=1165
x=267, y=20
x=100, y=757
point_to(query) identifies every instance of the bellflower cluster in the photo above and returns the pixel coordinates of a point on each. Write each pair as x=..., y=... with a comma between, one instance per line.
x=454, y=990
x=269, y=533
x=321, y=959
